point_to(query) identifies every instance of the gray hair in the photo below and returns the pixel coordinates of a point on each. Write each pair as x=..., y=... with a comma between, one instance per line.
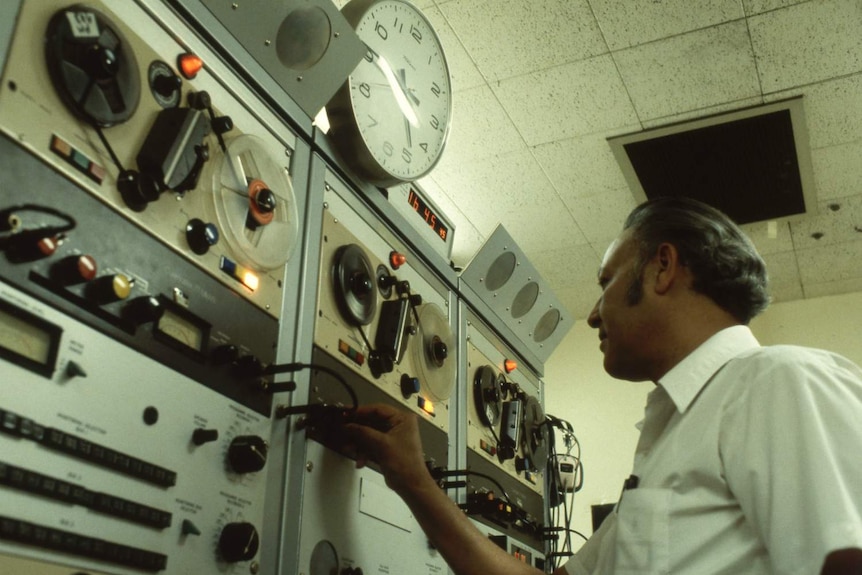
x=723, y=262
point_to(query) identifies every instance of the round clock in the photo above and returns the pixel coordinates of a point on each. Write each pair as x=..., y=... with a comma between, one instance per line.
x=391, y=117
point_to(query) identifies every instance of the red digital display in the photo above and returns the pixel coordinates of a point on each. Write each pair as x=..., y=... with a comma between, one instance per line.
x=421, y=208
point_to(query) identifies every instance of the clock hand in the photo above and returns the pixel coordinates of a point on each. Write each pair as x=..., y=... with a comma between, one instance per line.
x=410, y=92
x=397, y=89
x=409, y=137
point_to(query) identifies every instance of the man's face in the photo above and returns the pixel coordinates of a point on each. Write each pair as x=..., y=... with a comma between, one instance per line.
x=620, y=313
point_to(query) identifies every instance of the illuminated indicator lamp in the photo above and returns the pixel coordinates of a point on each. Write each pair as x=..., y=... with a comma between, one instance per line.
x=426, y=406
x=396, y=260
x=189, y=65
x=345, y=348
x=510, y=365
x=243, y=275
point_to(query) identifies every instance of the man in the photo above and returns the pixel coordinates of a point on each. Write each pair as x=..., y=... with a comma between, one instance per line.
x=748, y=459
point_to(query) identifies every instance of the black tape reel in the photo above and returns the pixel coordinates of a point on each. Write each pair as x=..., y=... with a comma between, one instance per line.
x=431, y=351
x=92, y=66
x=488, y=395
x=535, y=434
x=355, y=286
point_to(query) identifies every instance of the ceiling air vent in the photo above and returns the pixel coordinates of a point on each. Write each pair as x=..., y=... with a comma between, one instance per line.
x=753, y=164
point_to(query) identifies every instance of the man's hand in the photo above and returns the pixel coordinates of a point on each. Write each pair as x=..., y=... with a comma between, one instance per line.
x=389, y=437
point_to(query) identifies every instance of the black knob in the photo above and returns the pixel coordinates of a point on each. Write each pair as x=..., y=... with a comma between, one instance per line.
x=201, y=236
x=137, y=189
x=248, y=367
x=409, y=385
x=266, y=201
x=522, y=464
x=201, y=436
x=238, y=542
x=144, y=309
x=247, y=453
x=224, y=354
x=222, y=124
x=439, y=351
x=167, y=85
x=101, y=63
x=360, y=284
x=199, y=100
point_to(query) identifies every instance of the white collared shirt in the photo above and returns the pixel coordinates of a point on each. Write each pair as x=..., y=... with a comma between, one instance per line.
x=748, y=463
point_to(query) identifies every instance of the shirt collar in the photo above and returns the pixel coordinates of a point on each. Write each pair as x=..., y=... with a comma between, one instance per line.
x=685, y=380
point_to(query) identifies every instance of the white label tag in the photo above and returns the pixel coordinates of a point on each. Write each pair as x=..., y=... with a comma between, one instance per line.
x=83, y=24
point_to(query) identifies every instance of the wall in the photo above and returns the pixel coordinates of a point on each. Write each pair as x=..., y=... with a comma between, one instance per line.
x=604, y=410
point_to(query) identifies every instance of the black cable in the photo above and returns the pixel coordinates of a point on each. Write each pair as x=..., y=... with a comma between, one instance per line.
x=105, y=143
x=71, y=223
x=273, y=369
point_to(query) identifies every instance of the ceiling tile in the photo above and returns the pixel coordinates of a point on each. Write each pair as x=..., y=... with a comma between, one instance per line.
x=829, y=227
x=807, y=43
x=694, y=71
x=463, y=70
x=833, y=110
x=568, y=101
x=467, y=240
x=769, y=238
x=833, y=288
x=539, y=225
x=625, y=23
x=512, y=38
x=601, y=216
x=759, y=6
x=576, y=266
x=784, y=282
x=837, y=262
x=702, y=112
x=480, y=128
x=581, y=166
x=838, y=171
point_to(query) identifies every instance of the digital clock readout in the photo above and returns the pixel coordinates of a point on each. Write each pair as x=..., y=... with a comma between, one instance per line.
x=421, y=208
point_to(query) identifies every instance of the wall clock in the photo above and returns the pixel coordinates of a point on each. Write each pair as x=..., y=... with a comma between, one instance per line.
x=390, y=119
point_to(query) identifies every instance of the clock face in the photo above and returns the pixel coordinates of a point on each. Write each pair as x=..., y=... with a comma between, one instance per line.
x=399, y=94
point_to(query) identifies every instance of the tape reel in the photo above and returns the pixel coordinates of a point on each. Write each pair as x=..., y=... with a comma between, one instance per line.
x=355, y=288
x=92, y=66
x=430, y=350
x=536, y=434
x=254, y=204
x=488, y=395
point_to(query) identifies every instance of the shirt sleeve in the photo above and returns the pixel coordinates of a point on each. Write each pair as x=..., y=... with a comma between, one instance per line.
x=594, y=554
x=790, y=449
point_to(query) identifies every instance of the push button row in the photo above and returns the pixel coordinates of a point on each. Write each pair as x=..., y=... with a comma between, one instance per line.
x=57, y=440
x=81, y=545
x=38, y=484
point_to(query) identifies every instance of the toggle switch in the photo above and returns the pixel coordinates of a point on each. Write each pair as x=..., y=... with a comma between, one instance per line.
x=201, y=436
x=74, y=369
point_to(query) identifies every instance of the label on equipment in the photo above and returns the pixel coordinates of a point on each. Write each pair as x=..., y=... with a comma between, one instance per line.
x=83, y=24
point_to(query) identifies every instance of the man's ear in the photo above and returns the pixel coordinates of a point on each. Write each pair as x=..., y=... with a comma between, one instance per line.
x=668, y=268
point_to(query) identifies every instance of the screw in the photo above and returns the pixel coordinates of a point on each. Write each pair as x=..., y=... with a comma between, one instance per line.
x=309, y=466
x=267, y=42
x=254, y=567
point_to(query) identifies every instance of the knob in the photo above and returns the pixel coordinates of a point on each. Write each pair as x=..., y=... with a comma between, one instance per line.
x=247, y=367
x=222, y=124
x=360, y=284
x=201, y=436
x=101, y=63
x=199, y=100
x=238, y=542
x=522, y=464
x=137, y=189
x=265, y=201
x=32, y=246
x=224, y=354
x=201, y=236
x=409, y=385
x=189, y=528
x=167, y=85
x=247, y=453
x=144, y=309
x=439, y=351
x=74, y=270
x=108, y=289
x=74, y=369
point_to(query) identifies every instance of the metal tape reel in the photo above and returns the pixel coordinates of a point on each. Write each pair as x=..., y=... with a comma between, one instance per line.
x=431, y=351
x=92, y=66
x=238, y=178
x=487, y=395
x=355, y=288
x=535, y=436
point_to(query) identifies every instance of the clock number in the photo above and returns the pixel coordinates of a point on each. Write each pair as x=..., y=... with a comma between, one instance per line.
x=369, y=56
x=424, y=146
x=435, y=89
x=435, y=123
x=413, y=200
x=388, y=148
x=365, y=90
x=406, y=155
x=381, y=31
x=442, y=233
x=416, y=33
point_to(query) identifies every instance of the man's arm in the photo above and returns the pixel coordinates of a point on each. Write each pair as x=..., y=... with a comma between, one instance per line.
x=390, y=438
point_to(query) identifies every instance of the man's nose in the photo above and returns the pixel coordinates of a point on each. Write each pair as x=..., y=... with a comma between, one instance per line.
x=594, y=320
